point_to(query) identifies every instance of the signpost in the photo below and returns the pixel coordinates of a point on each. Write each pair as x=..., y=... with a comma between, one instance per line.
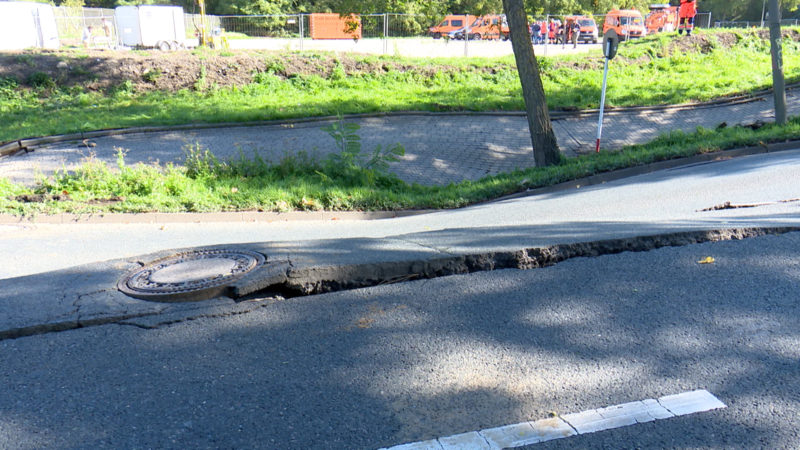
x=610, y=44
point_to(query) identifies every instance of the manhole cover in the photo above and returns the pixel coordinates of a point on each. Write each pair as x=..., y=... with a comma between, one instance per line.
x=191, y=276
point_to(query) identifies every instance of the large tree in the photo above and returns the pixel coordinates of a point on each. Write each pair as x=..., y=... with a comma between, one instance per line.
x=545, y=147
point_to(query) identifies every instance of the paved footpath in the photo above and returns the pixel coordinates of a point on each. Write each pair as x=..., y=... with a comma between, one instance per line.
x=440, y=148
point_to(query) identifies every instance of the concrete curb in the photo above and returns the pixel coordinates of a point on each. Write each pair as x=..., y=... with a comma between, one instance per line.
x=11, y=147
x=239, y=216
x=255, y=216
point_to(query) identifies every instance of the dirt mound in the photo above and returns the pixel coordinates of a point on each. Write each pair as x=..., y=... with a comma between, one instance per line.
x=171, y=71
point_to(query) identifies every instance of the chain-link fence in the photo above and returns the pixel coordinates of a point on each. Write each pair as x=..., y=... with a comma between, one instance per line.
x=88, y=27
x=753, y=23
x=376, y=33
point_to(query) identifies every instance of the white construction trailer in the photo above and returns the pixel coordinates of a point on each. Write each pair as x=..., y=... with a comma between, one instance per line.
x=151, y=26
x=27, y=25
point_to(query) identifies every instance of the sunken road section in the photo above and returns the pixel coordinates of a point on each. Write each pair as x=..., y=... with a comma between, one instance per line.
x=282, y=277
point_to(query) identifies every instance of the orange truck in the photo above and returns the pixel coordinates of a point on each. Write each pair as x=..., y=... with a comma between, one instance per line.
x=451, y=22
x=588, y=28
x=490, y=26
x=662, y=17
x=628, y=23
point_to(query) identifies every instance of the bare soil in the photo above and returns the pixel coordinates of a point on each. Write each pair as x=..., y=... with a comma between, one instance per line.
x=172, y=71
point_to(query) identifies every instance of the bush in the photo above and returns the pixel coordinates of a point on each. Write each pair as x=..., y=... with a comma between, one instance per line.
x=40, y=80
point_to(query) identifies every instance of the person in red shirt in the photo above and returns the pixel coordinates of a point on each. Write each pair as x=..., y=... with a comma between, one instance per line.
x=686, y=13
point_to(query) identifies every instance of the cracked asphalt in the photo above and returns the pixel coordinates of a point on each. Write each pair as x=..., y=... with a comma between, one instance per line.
x=398, y=363
x=83, y=366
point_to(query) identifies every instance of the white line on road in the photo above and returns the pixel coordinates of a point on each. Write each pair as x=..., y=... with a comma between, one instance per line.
x=527, y=433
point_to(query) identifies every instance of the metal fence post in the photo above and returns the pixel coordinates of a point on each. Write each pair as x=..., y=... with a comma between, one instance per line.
x=300, y=20
x=385, y=33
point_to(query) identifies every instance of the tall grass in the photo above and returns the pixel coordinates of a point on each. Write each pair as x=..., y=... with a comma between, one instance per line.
x=646, y=72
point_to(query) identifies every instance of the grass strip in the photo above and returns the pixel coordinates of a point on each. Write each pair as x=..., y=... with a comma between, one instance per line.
x=661, y=69
x=342, y=182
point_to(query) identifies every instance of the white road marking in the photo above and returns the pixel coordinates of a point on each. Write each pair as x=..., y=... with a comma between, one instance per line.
x=527, y=433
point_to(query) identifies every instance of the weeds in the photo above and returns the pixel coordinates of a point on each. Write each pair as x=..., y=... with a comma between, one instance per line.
x=40, y=80
x=341, y=181
x=152, y=75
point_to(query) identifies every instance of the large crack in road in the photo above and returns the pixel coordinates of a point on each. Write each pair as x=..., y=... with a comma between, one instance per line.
x=279, y=280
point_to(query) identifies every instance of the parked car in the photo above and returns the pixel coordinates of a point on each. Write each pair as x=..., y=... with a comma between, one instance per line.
x=490, y=26
x=588, y=29
x=628, y=23
x=452, y=22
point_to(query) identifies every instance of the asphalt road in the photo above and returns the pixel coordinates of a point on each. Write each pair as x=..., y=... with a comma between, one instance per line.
x=418, y=360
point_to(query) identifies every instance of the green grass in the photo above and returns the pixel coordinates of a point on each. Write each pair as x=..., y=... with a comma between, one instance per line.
x=347, y=181
x=644, y=73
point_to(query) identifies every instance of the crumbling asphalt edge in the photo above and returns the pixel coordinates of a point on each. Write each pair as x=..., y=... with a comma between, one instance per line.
x=280, y=279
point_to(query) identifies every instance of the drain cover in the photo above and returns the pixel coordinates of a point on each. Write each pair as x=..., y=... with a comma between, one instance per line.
x=191, y=276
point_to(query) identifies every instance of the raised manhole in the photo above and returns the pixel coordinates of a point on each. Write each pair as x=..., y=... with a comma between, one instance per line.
x=190, y=276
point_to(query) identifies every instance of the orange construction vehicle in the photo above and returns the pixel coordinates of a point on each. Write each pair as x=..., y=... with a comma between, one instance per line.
x=451, y=23
x=490, y=26
x=588, y=28
x=628, y=23
x=662, y=17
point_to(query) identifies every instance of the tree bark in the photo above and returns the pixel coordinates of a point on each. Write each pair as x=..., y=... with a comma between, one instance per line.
x=776, y=49
x=545, y=146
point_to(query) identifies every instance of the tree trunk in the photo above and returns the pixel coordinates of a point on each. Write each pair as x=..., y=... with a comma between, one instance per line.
x=776, y=49
x=545, y=147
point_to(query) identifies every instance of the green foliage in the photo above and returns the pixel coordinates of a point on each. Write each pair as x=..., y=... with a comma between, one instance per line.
x=201, y=82
x=152, y=75
x=40, y=80
x=25, y=58
x=351, y=160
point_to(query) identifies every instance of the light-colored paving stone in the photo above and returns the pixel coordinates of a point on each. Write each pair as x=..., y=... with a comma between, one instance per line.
x=690, y=402
x=592, y=421
x=585, y=422
x=433, y=444
x=465, y=441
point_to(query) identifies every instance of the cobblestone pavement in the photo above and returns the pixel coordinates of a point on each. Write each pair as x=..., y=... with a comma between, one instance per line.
x=440, y=148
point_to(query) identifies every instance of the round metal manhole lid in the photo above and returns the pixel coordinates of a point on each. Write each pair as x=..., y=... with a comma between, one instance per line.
x=191, y=276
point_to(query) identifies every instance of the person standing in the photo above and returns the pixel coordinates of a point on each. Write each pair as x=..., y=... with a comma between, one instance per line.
x=576, y=32
x=86, y=37
x=536, y=31
x=686, y=13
